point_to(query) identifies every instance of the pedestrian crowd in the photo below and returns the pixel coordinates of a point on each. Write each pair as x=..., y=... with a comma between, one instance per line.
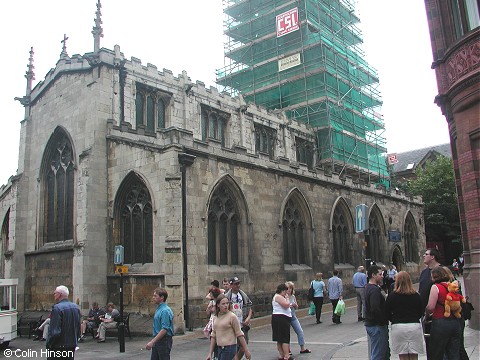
x=398, y=320
x=420, y=321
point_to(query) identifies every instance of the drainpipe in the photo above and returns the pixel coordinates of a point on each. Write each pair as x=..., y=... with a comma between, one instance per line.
x=185, y=160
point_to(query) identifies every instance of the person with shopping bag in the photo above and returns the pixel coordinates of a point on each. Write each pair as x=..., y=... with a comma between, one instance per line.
x=335, y=290
x=318, y=291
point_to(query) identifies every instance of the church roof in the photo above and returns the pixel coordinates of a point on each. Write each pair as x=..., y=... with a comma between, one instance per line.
x=409, y=160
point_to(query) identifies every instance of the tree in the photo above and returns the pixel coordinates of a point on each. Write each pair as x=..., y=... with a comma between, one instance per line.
x=435, y=182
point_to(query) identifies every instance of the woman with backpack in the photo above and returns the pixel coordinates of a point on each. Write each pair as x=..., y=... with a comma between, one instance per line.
x=445, y=333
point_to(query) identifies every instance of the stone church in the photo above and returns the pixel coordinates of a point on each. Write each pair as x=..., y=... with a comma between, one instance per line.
x=194, y=183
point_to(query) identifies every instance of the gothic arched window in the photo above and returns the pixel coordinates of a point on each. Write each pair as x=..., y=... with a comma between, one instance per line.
x=213, y=123
x=150, y=105
x=4, y=240
x=293, y=226
x=410, y=236
x=375, y=229
x=305, y=151
x=341, y=236
x=161, y=114
x=136, y=221
x=223, y=228
x=265, y=140
x=59, y=188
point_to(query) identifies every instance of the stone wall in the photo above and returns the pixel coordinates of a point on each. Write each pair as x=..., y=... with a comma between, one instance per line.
x=45, y=271
x=83, y=102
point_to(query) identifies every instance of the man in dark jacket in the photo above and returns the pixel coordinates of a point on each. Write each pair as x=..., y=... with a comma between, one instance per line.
x=64, y=326
x=430, y=259
x=376, y=322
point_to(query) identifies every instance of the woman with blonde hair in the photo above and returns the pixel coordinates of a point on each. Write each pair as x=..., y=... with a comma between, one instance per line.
x=404, y=310
x=226, y=331
x=295, y=323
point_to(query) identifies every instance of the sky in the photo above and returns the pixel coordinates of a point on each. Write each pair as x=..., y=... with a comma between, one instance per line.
x=188, y=35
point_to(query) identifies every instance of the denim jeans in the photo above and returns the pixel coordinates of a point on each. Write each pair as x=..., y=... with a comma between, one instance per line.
x=445, y=336
x=227, y=352
x=378, y=347
x=298, y=330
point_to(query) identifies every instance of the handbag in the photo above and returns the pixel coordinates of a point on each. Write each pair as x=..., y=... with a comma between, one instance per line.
x=427, y=325
x=467, y=308
x=311, y=292
x=311, y=309
x=340, y=308
x=207, y=330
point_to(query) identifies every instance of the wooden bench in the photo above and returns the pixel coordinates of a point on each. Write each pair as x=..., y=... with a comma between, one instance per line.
x=28, y=322
x=126, y=321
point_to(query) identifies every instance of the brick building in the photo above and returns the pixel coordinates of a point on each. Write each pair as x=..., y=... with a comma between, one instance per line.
x=454, y=31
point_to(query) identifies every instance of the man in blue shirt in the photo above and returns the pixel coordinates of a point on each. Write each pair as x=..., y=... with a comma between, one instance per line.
x=161, y=344
x=64, y=326
x=335, y=290
x=359, y=281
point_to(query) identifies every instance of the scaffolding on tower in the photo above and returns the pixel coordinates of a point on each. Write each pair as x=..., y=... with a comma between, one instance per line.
x=303, y=57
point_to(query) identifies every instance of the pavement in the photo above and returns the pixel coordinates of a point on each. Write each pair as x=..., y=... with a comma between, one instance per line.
x=326, y=341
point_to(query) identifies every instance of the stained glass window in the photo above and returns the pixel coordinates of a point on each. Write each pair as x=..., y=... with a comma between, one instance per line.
x=293, y=234
x=136, y=222
x=59, y=189
x=223, y=227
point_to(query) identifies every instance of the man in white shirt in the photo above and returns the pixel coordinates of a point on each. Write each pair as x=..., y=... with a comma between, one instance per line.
x=241, y=306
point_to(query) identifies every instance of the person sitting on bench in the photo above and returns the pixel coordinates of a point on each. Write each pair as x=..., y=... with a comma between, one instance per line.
x=108, y=321
x=92, y=320
x=42, y=331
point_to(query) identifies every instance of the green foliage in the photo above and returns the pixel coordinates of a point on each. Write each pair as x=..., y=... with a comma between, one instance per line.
x=436, y=184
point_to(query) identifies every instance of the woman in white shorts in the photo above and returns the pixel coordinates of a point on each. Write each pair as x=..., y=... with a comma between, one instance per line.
x=404, y=310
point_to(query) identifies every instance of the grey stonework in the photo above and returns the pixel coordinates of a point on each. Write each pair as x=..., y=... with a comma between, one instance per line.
x=82, y=98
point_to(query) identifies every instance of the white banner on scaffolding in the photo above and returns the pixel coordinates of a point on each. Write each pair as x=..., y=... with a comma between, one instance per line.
x=289, y=62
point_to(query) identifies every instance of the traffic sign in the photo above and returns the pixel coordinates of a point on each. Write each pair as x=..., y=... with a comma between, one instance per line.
x=118, y=255
x=361, y=218
x=121, y=269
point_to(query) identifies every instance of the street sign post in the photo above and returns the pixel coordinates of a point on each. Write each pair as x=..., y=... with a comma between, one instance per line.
x=361, y=218
x=120, y=269
x=118, y=255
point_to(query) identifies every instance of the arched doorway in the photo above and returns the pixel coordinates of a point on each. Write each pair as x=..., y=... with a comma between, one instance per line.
x=397, y=258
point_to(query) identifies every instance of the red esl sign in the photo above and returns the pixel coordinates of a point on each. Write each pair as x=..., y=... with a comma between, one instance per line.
x=392, y=159
x=287, y=22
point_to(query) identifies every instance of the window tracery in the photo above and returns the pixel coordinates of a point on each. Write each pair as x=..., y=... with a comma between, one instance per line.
x=136, y=223
x=342, y=234
x=293, y=227
x=410, y=236
x=213, y=124
x=223, y=228
x=59, y=190
x=265, y=138
x=150, y=108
